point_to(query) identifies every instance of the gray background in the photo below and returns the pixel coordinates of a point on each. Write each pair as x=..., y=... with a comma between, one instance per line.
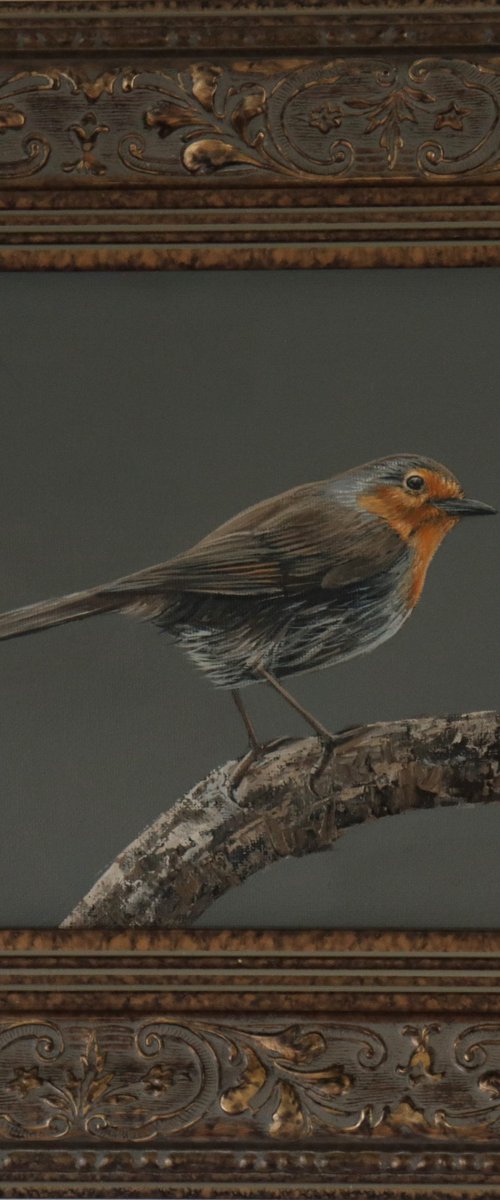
x=139, y=411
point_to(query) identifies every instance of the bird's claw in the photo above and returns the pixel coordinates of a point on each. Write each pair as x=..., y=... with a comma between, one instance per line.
x=256, y=752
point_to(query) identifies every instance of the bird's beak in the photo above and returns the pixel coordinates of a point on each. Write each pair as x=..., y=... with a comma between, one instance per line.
x=458, y=506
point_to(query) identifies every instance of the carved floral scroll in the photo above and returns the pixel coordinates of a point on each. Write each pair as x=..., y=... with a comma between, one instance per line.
x=354, y=118
x=298, y=1082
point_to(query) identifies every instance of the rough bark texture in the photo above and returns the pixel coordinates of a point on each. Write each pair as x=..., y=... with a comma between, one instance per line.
x=294, y=801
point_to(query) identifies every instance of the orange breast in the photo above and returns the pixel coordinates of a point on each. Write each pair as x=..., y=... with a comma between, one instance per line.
x=422, y=532
x=425, y=542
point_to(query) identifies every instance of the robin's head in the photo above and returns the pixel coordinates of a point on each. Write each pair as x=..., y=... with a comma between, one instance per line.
x=420, y=499
x=415, y=495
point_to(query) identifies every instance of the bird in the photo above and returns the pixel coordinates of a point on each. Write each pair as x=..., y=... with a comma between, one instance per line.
x=296, y=583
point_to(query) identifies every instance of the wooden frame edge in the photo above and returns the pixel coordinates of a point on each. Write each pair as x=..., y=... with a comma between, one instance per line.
x=211, y=1063
x=248, y=134
x=202, y=1064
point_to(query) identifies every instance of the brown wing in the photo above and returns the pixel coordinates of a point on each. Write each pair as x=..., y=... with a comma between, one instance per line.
x=297, y=541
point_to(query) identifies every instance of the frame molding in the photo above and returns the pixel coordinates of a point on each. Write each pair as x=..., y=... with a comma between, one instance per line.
x=211, y=1063
x=249, y=133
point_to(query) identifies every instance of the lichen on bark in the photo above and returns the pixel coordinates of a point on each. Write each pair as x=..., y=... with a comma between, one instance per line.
x=296, y=800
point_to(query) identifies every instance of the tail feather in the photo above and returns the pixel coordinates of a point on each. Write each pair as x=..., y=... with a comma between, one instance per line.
x=74, y=607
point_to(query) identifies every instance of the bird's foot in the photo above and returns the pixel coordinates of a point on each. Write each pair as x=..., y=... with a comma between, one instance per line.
x=330, y=742
x=256, y=751
x=348, y=733
x=341, y=737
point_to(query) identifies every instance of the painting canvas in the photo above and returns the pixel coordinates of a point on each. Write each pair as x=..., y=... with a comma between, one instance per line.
x=144, y=413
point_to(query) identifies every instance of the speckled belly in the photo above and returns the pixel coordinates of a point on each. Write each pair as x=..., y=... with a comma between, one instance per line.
x=228, y=637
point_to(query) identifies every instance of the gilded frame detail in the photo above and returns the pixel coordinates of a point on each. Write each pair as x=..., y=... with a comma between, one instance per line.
x=249, y=134
x=210, y=1063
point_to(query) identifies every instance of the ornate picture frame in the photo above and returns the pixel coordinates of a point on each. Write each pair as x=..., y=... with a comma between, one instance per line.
x=303, y=133
x=196, y=1063
x=221, y=135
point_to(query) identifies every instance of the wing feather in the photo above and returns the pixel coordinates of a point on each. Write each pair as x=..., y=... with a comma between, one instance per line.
x=297, y=541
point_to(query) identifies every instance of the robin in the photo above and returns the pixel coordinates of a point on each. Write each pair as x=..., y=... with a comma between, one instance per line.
x=309, y=578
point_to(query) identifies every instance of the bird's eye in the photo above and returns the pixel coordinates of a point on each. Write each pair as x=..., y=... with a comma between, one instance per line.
x=415, y=483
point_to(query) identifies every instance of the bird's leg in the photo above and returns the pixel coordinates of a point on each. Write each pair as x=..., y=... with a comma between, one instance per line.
x=256, y=748
x=320, y=730
x=248, y=723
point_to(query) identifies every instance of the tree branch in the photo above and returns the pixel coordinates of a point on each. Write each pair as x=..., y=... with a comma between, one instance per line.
x=293, y=802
